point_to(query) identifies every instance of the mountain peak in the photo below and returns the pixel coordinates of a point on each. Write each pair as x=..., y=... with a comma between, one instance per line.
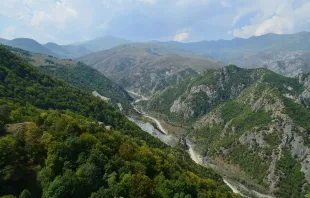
x=51, y=43
x=25, y=40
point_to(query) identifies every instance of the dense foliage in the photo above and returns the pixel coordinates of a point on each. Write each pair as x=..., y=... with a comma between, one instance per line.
x=292, y=180
x=52, y=145
x=89, y=79
x=80, y=76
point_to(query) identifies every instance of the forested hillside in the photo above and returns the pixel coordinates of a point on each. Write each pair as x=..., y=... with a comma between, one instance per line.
x=78, y=75
x=59, y=141
x=253, y=123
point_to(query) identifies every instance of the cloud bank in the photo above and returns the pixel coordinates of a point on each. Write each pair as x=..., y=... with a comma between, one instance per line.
x=65, y=21
x=182, y=37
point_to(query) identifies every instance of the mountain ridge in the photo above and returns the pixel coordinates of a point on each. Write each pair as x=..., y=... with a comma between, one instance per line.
x=65, y=51
x=253, y=120
x=133, y=65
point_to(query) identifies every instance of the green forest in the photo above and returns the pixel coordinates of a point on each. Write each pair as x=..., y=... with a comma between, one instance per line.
x=60, y=141
x=80, y=76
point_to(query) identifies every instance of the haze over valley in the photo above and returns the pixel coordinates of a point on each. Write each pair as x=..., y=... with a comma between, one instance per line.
x=207, y=99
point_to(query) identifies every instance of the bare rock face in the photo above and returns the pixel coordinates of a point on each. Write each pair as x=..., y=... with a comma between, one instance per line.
x=282, y=126
x=254, y=137
x=211, y=92
x=183, y=142
x=305, y=95
x=181, y=107
x=211, y=119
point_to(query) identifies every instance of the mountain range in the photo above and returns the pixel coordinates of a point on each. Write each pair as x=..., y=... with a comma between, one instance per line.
x=147, y=68
x=292, y=49
x=249, y=123
x=65, y=51
x=287, y=54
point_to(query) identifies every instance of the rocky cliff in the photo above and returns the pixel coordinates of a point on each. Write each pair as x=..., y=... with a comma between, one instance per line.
x=251, y=119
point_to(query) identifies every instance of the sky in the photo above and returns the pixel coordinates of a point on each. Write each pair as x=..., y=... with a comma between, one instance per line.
x=67, y=21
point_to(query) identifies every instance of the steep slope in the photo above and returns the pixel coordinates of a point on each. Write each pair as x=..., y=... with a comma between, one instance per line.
x=54, y=144
x=78, y=75
x=253, y=124
x=146, y=68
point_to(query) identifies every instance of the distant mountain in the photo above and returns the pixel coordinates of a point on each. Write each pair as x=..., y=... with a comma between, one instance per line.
x=288, y=63
x=102, y=43
x=29, y=45
x=67, y=51
x=252, y=124
x=287, y=54
x=247, y=52
x=147, y=68
x=269, y=42
x=3, y=41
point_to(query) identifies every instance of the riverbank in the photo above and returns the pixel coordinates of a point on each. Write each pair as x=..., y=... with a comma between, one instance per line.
x=235, y=186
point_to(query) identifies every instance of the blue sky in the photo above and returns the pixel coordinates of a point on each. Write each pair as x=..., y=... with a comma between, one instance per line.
x=66, y=21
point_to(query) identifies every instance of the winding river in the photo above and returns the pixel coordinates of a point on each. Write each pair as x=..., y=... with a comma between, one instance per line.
x=170, y=140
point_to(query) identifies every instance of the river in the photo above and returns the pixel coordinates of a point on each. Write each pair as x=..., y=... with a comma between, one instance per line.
x=194, y=156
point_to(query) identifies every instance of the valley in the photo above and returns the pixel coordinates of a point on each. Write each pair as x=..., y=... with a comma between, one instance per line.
x=246, y=128
x=147, y=68
x=60, y=141
x=154, y=99
x=245, y=112
x=165, y=136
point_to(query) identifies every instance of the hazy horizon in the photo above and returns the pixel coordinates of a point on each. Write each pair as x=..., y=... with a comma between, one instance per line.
x=69, y=21
x=103, y=36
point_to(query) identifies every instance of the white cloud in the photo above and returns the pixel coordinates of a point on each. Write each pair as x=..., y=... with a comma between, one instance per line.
x=244, y=32
x=276, y=24
x=54, y=13
x=66, y=21
x=277, y=17
x=182, y=37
